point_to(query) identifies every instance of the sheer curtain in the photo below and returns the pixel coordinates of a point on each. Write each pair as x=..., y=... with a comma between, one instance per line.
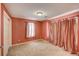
x=30, y=30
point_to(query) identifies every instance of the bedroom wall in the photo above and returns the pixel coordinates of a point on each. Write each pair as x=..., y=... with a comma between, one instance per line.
x=0, y=24
x=45, y=28
x=19, y=30
x=0, y=29
x=38, y=30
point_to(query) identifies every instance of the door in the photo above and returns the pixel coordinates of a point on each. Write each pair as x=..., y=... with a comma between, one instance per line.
x=7, y=34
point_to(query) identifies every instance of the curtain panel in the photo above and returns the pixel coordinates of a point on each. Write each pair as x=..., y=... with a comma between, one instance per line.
x=62, y=34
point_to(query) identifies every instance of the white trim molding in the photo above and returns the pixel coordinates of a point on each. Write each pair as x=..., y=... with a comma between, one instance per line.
x=66, y=13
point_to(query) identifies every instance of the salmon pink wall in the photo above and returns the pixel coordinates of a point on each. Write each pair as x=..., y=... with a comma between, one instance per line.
x=38, y=30
x=19, y=30
x=0, y=24
x=44, y=30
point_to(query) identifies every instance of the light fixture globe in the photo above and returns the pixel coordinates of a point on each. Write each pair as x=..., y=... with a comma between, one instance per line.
x=40, y=13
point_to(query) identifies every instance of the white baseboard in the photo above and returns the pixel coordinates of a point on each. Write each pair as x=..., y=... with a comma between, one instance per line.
x=23, y=43
x=18, y=44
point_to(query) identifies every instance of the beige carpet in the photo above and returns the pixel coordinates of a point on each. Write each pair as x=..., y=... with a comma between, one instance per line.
x=37, y=48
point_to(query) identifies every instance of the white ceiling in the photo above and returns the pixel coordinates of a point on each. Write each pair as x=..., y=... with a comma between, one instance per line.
x=26, y=10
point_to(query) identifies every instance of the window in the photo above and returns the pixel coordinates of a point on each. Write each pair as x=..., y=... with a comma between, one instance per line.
x=30, y=30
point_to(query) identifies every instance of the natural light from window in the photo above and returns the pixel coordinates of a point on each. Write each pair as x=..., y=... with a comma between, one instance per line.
x=30, y=30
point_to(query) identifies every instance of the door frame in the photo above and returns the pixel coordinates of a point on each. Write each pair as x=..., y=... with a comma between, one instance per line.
x=3, y=8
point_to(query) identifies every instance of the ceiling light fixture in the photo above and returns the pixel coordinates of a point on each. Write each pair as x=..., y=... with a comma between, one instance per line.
x=40, y=13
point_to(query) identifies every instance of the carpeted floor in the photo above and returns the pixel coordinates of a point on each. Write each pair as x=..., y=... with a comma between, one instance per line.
x=37, y=48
